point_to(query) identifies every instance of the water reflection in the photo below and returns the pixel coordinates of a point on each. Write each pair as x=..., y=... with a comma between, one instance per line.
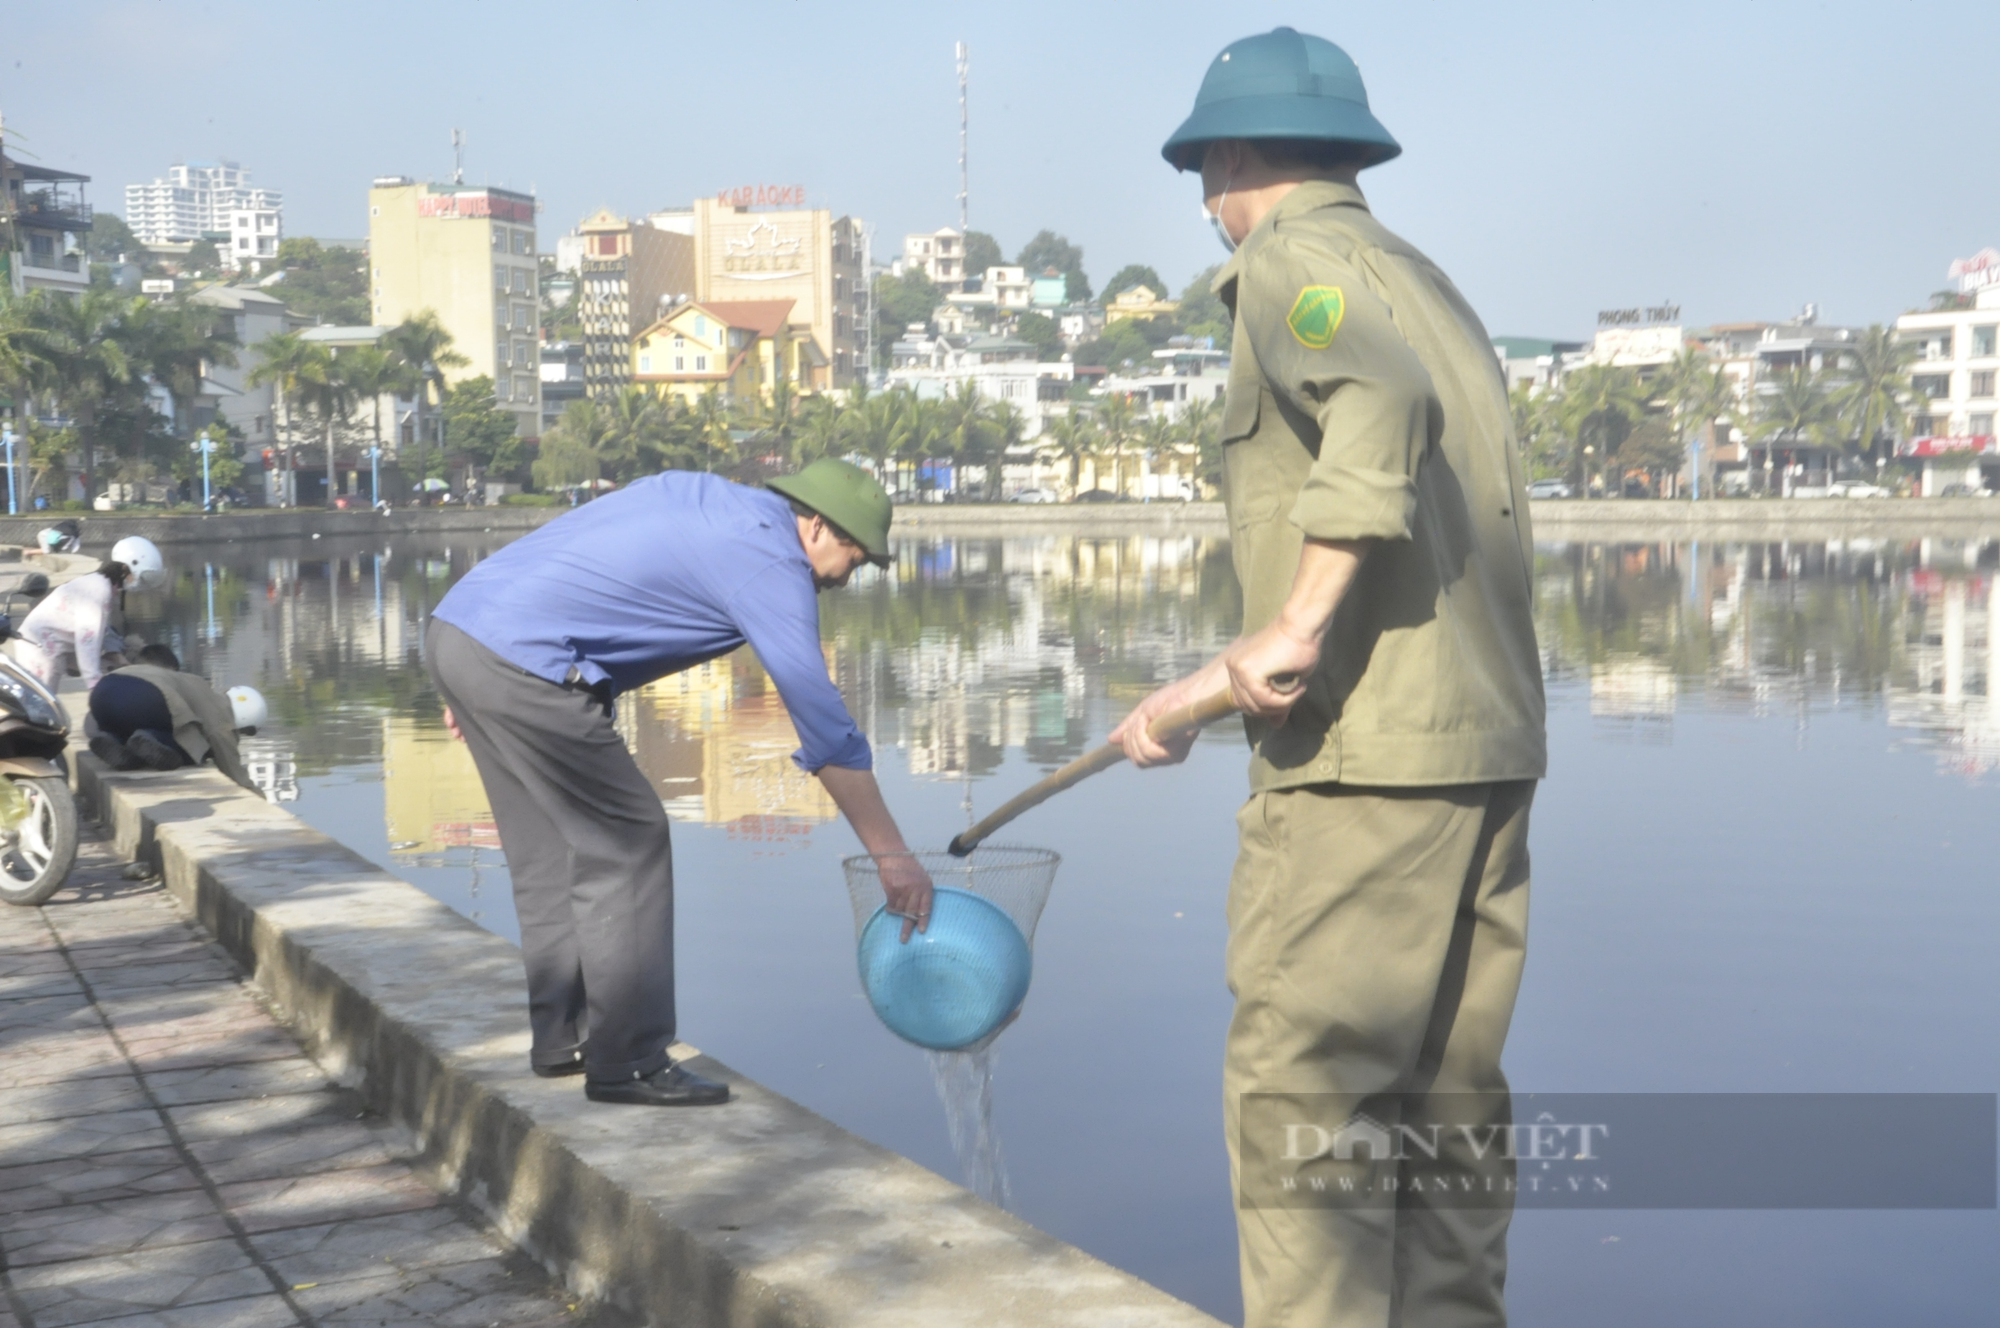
x=1792, y=629
x=1762, y=861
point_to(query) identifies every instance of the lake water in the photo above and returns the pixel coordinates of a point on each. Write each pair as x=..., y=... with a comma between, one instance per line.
x=1764, y=861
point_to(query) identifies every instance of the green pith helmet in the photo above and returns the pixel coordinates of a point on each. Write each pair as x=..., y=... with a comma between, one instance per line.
x=1281, y=84
x=847, y=496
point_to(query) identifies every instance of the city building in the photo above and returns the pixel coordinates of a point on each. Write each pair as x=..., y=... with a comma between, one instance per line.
x=468, y=254
x=254, y=236
x=805, y=255
x=939, y=256
x=1077, y=323
x=1139, y=302
x=630, y=273
x=1535, y=361
x=1049, y=289
x=43, y=218
x=741, y=348
x=999, y=367
x=200, y=200
x=1001, y=289
x=255, y=315
x=1956, y=380
x=562, y=379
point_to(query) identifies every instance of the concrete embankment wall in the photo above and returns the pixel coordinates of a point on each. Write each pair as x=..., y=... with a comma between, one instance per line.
x=1613, y=521
x=757, y=1213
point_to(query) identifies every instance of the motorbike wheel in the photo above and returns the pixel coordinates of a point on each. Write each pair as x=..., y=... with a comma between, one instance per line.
x=36, y=855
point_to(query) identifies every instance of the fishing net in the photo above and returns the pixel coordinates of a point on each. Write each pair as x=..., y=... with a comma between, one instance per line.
x=959, y=982
x=1016, y=880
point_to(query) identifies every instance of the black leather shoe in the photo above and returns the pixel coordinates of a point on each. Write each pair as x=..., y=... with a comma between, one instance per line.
x=152, y=753
x=112, y=752
x=562, y=1070
x=668, y=1086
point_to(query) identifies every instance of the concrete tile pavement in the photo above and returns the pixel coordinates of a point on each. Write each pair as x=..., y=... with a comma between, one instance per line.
x=169, y=1157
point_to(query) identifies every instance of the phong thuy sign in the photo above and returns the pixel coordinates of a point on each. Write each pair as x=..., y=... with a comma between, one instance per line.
x=479, y=203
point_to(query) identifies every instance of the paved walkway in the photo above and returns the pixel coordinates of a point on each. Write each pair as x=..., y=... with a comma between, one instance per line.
x=169, y=1157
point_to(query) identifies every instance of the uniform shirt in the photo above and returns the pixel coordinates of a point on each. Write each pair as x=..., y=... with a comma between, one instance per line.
x=72, y=620
x=658, y=577
x=1365, y=402
x=204, y=721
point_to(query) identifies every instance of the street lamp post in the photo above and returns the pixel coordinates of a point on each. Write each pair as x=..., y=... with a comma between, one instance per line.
x=375, y=474
x=7, y=432
x=204, y=445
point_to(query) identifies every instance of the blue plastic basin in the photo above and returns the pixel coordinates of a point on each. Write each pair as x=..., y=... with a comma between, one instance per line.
x=953, y=984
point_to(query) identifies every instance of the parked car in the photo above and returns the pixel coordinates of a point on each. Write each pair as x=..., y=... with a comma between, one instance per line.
x=1101, y=496
x=1856, y=489
x=1550, y=489
x=1965, y=491
x=1033, y=496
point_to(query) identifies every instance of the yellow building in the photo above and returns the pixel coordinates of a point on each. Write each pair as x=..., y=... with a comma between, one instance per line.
x=744, y=348
x=804, y=255
x=469, y=255
x=1138, y=302
x=631, y=273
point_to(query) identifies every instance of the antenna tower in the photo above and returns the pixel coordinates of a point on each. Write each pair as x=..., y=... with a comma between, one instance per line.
x=458, y=156
x=964, y=65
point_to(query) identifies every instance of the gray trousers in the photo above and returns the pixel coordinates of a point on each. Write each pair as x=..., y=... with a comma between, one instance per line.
x=586, y=844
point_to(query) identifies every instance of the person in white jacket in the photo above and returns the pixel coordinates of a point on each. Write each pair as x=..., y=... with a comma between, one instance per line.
x=72, y=621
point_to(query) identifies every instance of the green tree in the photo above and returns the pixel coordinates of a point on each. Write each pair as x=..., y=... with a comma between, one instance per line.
x=1600, y=403
x=1072, y=436
x=1696, y=394
x=88, y=365
x=203, y=259
x=174, y=340
x=571, y=451
x=1876, y=388
x=981, y=252
x=1539, y=431
x=476, y=429
x=1134, y=274
x=1201, y=433
x=901, y=302
x=425, y=351
x=288, y=362
x=326, y=285
x=1127, y=341
x=1202, y=312
x=110, y=237
x=1118, y=425
x=1799, y=411
x=1041, y=332
x=1049, y=250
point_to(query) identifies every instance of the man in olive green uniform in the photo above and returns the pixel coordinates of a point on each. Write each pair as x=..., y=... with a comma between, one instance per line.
x=1392, y=687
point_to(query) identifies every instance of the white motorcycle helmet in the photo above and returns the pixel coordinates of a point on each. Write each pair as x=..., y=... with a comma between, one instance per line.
x=247, y=704
x=140, y=554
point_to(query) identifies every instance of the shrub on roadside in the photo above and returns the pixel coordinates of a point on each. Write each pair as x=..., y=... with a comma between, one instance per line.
x=530, y=500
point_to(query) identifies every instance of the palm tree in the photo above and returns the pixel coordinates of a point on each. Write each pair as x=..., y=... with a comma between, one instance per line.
x=89, y=365
x=329, y=394
x=1072, y=436
x=1876, y=389
x=1600, y=403
x=288, y=362
x=571, y=451
x=1201, y=426
x=373, y=373
x=1696, y=395
x=1799, y=410
x=822, y=429
x=964, y=426
x=1006, y=427
x=1117, y=422
x=176, y=342
x=423, y=345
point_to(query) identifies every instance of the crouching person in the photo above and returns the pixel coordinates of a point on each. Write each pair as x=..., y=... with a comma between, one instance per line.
x=151, y=716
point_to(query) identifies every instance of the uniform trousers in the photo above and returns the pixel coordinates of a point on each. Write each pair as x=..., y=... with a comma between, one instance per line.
x=586, y=844
x=1376, y=938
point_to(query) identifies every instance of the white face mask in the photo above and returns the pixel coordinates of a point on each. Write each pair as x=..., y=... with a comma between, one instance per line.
x=1215, y=219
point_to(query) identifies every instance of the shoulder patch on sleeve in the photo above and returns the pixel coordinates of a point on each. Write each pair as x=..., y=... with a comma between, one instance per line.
x=1316, y=316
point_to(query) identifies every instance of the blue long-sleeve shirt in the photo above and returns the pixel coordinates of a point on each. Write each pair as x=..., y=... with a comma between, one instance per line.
x=660, y=576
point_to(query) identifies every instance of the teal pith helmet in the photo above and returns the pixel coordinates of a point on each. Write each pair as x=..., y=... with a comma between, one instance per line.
x=847, y=496
x=1281, y=84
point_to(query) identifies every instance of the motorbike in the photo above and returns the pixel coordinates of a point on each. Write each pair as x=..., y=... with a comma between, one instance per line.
x=38, y=822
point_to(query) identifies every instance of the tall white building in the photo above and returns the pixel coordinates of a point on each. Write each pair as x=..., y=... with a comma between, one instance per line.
x=200, y=198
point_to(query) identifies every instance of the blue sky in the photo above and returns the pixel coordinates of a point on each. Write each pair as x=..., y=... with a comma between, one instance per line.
x=1740, y=159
